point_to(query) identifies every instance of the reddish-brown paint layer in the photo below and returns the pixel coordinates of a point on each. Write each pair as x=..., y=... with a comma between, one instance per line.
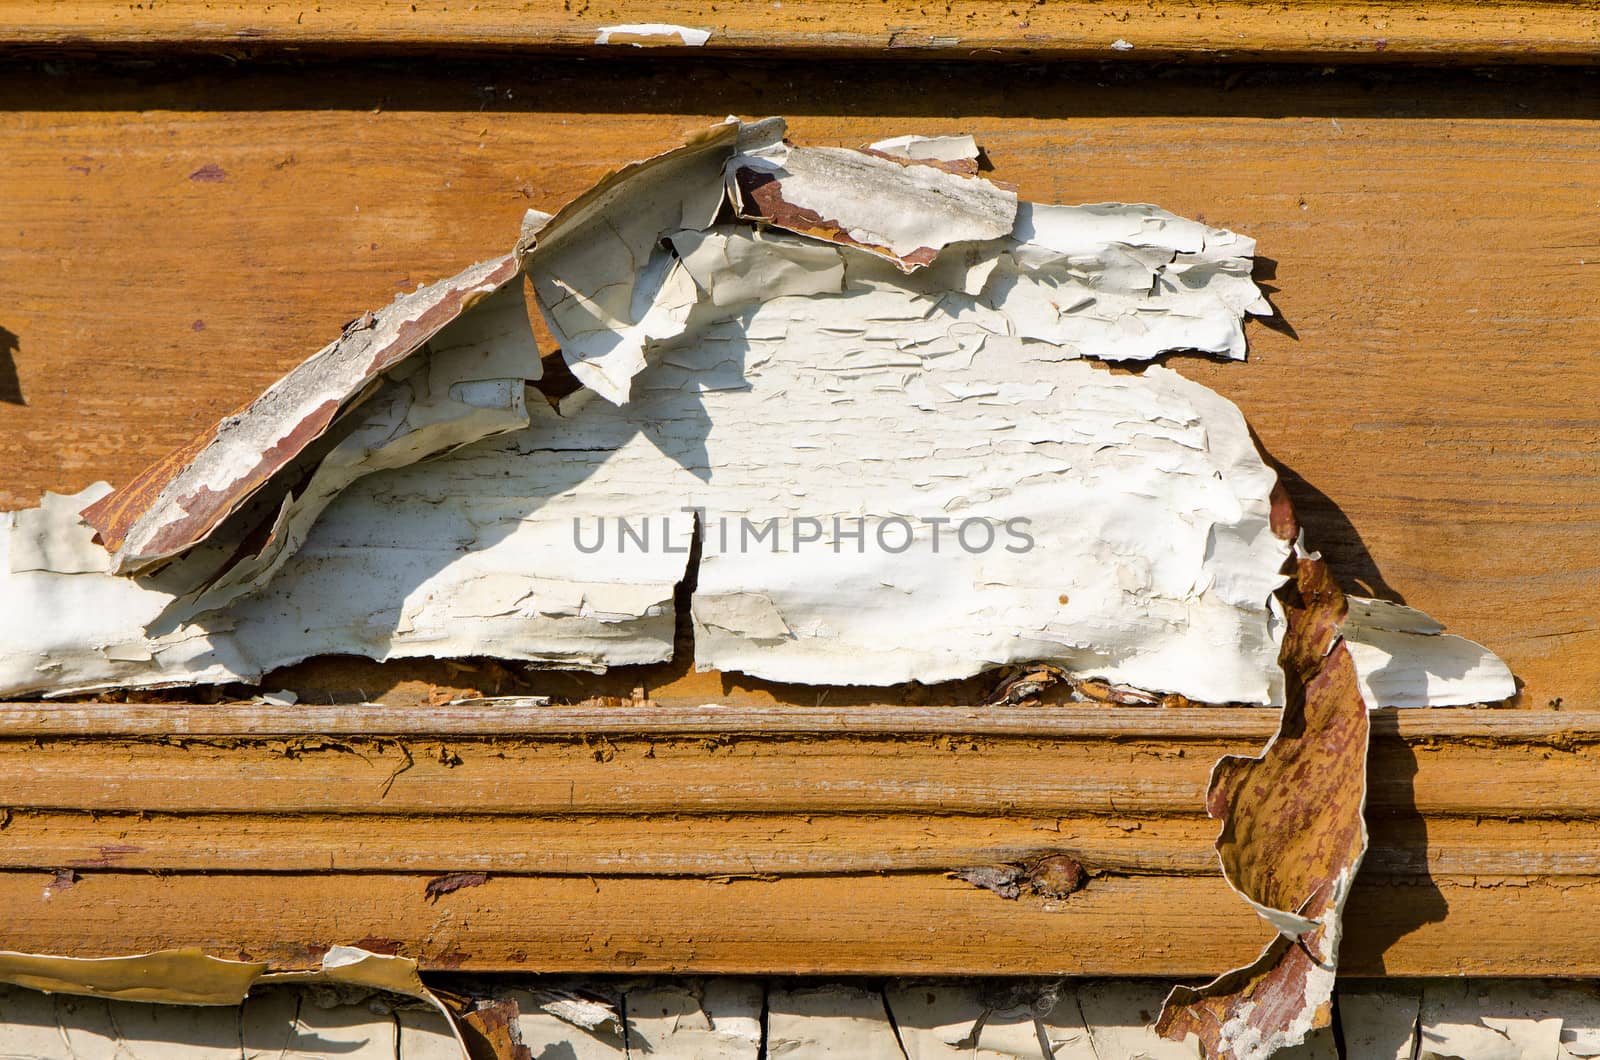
x=1293, y=832
x=168, y=525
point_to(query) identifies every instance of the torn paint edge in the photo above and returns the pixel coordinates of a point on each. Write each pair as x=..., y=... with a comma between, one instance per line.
x=178, y=501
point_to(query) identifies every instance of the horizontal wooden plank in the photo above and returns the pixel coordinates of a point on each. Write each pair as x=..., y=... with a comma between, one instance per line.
x=619, y=775
x=1432, y=398
x=673, y=717
x=754, y=770
x=674, y=845
x=891, y=924
x=1438, y=30
x=724, y=845
x=511, y=717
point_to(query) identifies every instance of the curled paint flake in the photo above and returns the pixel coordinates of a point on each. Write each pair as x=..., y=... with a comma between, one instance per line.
x=1293, y=833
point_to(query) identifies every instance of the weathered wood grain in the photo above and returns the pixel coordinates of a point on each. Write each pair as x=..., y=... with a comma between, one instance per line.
x=312, y=819
x=731, y=772
x=616, y=776
x=1436, y=30
x=734, y=845
x=890, y=924
x=745, y=715
x=1433, y=238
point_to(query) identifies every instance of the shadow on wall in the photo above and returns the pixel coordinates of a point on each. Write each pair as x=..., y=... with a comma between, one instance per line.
x=1265, y=271
x=1395, y=893
x=500, y=82
x=1329, y=531
x=10, y=383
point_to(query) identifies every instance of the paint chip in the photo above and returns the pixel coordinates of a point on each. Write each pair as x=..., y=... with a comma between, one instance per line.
x=652, y=34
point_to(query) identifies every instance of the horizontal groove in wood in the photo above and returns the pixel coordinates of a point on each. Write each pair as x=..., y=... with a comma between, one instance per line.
x=622, y=775
x=712, y=846
x=1320, y=30
x=751, y=774
x=695, y=717
x=899, y=924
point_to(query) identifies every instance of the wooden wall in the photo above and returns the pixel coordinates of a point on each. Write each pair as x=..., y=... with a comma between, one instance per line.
x=186, y=212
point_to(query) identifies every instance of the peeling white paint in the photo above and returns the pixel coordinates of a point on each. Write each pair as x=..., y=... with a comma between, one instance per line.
x=720, y=1019
x=906, y=213
x=468, y=387
x=929, y=148
x=51, y=537
x=1465, y=1021
x=641, y=33
x=186, y=501
x=1378, y=1023
x=100, y=988
x=1117, y=1015
x=560, y=1023
x=812, y=1023
x=709, y=1019
x=1404, y=658
x=606, y=286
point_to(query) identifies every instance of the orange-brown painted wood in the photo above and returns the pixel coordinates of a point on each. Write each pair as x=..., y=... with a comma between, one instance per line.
x=710, y=827
x=744, y=844
x=760, y=764
x=835, y=925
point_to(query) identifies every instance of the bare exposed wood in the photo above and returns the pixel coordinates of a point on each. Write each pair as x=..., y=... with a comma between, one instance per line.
x=983, y=29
